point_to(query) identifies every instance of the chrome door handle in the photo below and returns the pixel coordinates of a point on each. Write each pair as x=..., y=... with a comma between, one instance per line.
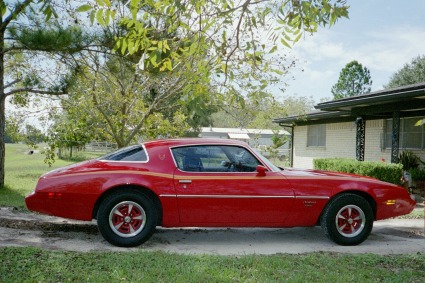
x=185, y=181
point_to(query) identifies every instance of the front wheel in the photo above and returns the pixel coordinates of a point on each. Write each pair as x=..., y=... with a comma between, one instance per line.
x=347, y=219
x=127, y=219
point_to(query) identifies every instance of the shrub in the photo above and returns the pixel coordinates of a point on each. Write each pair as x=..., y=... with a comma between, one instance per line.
x=409, y=160
x=417, y=174
x=390, y=173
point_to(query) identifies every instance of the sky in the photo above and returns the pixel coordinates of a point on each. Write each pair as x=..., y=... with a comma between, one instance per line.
x=382, y=35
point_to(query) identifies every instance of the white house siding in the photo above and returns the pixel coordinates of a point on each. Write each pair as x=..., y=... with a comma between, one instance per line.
x=374, y=150
x=374, y=142
x=340, y=142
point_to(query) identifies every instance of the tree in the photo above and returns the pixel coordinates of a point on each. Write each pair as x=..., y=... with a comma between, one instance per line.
x=410, y=73
x=119, y=103
x=354, y=79
x=32, y=135
x=66, y=133
x=230, y=33
x=259, y=113
x=28, y=48
x=13, y=130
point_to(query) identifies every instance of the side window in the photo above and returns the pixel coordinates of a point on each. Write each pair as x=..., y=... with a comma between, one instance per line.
x=188, y=158
x=242, y=159
x=214, y=158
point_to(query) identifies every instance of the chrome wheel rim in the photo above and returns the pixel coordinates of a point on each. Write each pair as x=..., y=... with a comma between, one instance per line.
x=350, y=221
x=127, y=219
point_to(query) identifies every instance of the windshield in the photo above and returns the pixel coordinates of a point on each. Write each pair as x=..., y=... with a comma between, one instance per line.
x=268, y=162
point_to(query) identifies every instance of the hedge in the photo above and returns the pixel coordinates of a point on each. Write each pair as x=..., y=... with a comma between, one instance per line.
x=390, y=173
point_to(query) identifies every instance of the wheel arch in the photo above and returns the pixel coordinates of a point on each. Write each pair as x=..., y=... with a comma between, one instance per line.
x=136, y=189
x=362, y=194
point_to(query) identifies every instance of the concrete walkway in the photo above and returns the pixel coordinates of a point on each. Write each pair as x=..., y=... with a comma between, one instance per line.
x=393, y=236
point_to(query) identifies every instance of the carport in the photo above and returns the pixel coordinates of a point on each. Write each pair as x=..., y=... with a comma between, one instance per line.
x=396, y=103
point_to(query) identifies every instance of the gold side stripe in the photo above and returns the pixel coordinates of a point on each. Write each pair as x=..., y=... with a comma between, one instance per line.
x=233, y=196
x=145, y=173
x=229, y=178
x=170, y=176
x=243, y=196
x=206, y=177
x=312, y=197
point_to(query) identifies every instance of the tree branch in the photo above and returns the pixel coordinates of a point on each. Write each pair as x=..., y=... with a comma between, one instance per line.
x=88, y=48
x=18, y=9
x=38, y=91
x=238, y=30
x=12, y=83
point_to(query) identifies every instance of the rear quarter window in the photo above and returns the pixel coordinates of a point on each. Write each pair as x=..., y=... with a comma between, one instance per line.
x=131, y=153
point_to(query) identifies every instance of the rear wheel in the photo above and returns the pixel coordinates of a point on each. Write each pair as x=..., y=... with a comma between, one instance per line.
x=127, y=219
x=347, y=219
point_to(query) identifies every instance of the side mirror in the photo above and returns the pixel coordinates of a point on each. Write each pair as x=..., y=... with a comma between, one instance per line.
x=261, y=170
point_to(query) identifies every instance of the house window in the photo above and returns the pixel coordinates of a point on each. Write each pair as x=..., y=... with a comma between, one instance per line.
x=316, y=135
x=411, y=136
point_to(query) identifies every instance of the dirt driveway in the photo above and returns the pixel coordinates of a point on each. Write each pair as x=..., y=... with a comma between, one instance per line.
x=394, y=236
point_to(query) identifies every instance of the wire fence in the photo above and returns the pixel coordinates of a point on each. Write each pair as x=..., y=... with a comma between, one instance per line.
x=102, y=146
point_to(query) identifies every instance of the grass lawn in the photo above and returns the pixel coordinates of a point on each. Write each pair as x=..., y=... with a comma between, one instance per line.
x=22, y=172
x=36, y=265
x=28, y=264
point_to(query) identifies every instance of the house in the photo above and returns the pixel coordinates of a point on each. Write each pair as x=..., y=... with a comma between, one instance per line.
x=372, y=127
x=257, y=138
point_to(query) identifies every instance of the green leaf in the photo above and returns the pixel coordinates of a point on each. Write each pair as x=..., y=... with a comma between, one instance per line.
x=134, y=8
x=254, y=22
x=285, y=43
x=99, y=17
x=333, y=19
x=3, y=8
x=84, y=8
x=153, y=59
x=48, y=13
x=166, y=46
x=100, y=2
x=298, y=37
x=274, y=48
x=130, y=46
x=134, y=3
x=92, y=16
x=123, y=46
x=279, y=72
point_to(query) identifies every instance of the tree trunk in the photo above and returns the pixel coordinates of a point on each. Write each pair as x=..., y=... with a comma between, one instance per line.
x=2, y=147
x=2, y=111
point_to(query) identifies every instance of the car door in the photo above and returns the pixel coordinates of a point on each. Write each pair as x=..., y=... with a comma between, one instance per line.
x=218, y=185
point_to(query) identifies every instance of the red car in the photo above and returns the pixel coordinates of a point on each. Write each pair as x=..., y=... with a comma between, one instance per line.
x=211, y=183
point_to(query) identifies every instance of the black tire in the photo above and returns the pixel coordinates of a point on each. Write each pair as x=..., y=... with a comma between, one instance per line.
x=127, y=218
x=347, y=219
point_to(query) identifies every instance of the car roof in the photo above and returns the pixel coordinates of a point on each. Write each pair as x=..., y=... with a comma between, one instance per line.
x=192, y=141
